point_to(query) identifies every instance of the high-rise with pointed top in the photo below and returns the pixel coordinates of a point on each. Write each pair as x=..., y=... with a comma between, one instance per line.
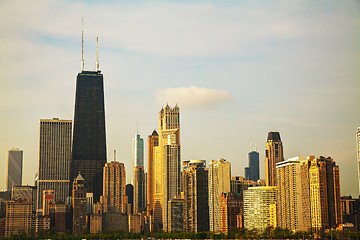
x=273, y=155
x=89, y=136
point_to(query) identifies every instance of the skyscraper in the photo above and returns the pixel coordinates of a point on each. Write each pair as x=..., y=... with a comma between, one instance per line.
x=114, y=192
x=358, y=152
x=139, y=175
x=289, y=197
x=14, y=168
x=219, y=183
x=79, y=205
x=89, y=140
x=54, y=158
x=166, y=173
x=252, y=172
x=273, y=155
x=196, y=196
x=324, y=193
x=153, y=141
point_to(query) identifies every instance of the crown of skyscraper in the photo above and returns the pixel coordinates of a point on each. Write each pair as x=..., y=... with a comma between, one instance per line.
x=274, y=136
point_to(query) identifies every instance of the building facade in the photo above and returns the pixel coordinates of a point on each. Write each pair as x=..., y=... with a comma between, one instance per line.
x=196, y=197
x=289, y=197
x=153, y=141
x=114, y=191
x=48, y=200
x=54, y=159
x=273, y=155
x=230, y=208
x=139, y=174
x=325, y=198
x=259, y=206
x=79, y=205
x=18, y=217
x=219, y=183
x=14, y=168
x=176, y=215
x=89, y=140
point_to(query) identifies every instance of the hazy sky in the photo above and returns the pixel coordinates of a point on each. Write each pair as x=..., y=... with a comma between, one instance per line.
x=237, y=69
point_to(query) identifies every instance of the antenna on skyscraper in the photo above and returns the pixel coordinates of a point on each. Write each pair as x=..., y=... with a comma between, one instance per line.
x=97, y=49
x=255, y=146
x=137, y=126
x=82, y=44
x=250, y=144
x=114, y=155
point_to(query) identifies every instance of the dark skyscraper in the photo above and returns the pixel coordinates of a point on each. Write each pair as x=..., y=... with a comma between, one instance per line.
x=252, y=172
x=89, y=140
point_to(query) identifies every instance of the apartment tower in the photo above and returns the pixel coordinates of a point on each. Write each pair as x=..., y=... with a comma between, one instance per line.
x=139, y=175
x=89, y=140
x=196, y=197
x=114, y=182
x=14, y=168
x=260, y=207
x=289, y=197
x=54, y=159
x=219, y=183
x=153, y=141
x=273, y=155
x=324, y=183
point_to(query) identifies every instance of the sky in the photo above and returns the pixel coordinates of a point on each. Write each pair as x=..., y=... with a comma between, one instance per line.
x=236, y=69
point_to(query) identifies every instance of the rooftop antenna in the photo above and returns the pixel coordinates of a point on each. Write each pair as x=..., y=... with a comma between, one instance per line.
x=97, y=50
x=82, y=44
x=250, y=144
x=114, y=155
x=137, y=126
x=255, y=146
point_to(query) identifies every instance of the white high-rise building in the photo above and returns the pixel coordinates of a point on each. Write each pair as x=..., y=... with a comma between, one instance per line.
x=219, y=183
x=14, y=168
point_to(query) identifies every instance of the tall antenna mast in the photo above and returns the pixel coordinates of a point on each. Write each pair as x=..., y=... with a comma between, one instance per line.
x=250, y=144
x=97, y=49
x=137, y=126
x=114, y=155
x=82, y=44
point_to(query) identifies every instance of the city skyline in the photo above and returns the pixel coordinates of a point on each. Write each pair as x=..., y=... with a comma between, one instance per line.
x=309, y=60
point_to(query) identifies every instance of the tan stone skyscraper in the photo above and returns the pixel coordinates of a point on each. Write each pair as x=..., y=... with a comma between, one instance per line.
x=153, y=141
x=219, y=183
x=164, y=164
x=273, y=155
x=169, y=149
x=324, y=193
x=114, y=187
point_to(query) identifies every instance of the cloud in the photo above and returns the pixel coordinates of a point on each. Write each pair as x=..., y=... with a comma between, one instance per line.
x=193, y=96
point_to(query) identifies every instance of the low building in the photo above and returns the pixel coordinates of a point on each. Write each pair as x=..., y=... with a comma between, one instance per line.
x=258, y=205
x=230, y=208
x=176, y=215
x=135, y=223
x=18, y=217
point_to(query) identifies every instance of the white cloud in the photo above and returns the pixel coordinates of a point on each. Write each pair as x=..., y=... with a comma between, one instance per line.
x=193, y=96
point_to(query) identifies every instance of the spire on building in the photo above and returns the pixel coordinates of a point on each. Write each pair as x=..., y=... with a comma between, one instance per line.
x=97, y=50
